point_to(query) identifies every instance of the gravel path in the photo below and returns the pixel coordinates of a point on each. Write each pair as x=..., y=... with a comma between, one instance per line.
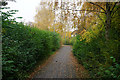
x=61, y=65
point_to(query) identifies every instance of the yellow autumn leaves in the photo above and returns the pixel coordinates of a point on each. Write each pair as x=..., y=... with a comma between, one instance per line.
x=88, y=35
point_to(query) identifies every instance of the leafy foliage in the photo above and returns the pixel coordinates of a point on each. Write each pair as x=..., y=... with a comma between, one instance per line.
x=100, y=57
x=97, y=57
x=23, y=47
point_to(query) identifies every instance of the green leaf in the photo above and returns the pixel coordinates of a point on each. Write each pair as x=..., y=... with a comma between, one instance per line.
x=19, y=17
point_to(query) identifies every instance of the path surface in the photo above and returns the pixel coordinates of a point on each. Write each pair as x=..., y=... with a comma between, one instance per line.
x=61, y=65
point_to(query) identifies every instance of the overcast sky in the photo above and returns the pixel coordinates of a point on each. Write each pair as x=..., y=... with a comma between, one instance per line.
x=27, y=9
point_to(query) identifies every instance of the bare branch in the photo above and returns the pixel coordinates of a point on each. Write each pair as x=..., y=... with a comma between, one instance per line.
x=114, y=6
x=85, y=10
x=84, y=28
x=115, y=10
x=98, y=6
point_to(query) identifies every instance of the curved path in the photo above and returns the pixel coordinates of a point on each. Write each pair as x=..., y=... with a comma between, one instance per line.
x=62, y=65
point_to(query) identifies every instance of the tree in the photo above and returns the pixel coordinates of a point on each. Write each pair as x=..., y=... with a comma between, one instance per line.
x=108, y=10
x=44, y=17
x=97, y=8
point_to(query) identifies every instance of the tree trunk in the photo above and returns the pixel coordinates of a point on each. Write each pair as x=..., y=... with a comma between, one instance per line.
x=108, y=21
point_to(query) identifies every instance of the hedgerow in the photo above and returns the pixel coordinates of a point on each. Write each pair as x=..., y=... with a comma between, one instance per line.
x=99, y=56
x=23, y=46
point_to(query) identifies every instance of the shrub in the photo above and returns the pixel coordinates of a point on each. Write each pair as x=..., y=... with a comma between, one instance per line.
x=72, y=40
x=23, y=47
x=66, y=41
x=98, y=57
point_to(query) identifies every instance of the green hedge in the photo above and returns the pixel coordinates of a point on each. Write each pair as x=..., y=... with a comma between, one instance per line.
x=23, y=47
x=72, y=40
x=100, y=58
x=69, y=41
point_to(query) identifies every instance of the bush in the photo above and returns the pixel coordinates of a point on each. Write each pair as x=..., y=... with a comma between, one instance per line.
x=69, y=41
x=23, y=47
x=66, y=41
x=72, y=40
x=99, y=58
